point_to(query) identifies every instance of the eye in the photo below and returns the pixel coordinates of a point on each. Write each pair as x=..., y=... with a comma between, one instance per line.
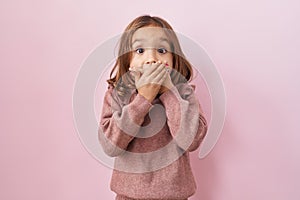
x=139, y=50
x=162, y=50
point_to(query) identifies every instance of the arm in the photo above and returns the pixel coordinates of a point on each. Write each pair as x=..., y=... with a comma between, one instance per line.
x=119, y=124
x=185, y=118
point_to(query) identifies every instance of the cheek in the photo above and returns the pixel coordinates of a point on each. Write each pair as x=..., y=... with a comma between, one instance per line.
x=136, y=61
x=170, y=60
x=133, y=61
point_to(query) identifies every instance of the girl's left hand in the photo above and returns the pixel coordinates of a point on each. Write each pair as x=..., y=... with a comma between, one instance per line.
x=167, y=84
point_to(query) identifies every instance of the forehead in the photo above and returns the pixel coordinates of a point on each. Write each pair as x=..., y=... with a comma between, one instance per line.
x=149, y=34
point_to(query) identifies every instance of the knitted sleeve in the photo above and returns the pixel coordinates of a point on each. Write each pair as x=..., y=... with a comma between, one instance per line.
x=185, y=117
x=120, y=123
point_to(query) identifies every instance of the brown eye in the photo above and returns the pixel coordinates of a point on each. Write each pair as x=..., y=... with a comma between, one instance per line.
x=162, y=50
x=139, y=50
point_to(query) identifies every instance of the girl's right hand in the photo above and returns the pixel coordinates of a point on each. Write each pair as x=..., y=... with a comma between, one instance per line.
x=149, y=78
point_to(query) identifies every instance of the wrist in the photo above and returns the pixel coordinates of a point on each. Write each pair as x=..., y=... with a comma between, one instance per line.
x=147, y=97
x=165, y=88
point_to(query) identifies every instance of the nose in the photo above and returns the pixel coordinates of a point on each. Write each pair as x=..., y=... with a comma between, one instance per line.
x=151, y=56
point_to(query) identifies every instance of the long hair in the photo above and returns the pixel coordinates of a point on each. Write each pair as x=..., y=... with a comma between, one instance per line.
x=119, y=77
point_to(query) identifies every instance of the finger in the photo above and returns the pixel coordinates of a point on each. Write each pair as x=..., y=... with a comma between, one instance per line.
x=168, y=69
x=137, y=69
x=150, y=68
x=157, y=71
x=160, y=77
x=136, y=73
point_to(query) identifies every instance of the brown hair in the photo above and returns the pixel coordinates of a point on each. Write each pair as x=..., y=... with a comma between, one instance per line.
x=121, y=67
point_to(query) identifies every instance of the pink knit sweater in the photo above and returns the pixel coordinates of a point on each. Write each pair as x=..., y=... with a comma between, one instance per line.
x=151, y=143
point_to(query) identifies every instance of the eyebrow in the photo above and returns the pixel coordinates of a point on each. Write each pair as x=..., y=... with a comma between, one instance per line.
x=161, y=39
x=138, y=40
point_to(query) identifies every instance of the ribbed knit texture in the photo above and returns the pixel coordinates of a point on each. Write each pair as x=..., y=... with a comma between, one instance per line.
x=125, y=119
x=119, y=197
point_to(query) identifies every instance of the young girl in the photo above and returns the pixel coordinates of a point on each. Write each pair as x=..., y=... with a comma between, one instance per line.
x=151, y=143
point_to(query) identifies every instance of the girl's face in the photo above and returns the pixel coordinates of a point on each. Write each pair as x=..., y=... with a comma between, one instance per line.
x=150, y=45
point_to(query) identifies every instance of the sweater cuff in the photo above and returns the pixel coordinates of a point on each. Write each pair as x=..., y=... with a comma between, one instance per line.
x=138, y=109
x=171, y=95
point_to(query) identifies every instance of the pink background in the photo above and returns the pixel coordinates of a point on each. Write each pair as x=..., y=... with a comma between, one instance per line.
x=254, y=44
